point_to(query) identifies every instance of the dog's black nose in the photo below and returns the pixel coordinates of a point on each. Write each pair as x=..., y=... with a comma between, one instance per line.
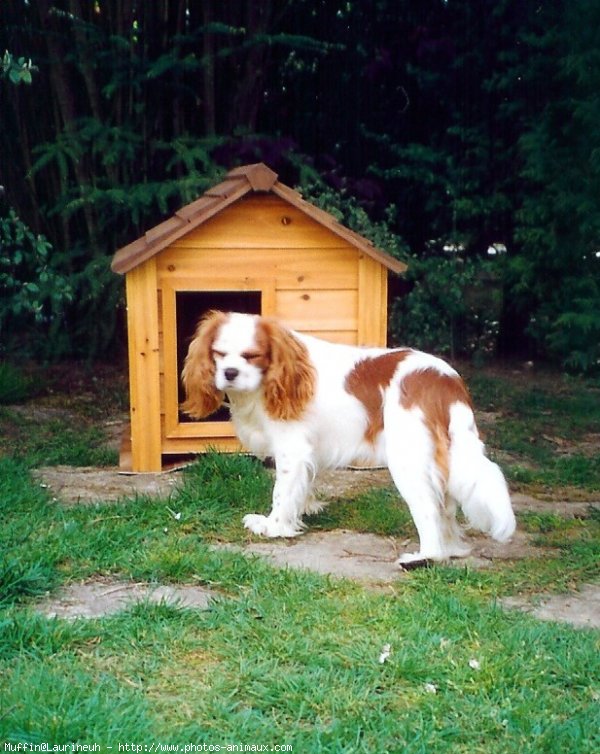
x=231, y=373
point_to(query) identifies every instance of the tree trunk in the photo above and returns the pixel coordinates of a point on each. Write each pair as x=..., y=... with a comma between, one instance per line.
x=248, y=94
x=59, y=77
x=208, y=72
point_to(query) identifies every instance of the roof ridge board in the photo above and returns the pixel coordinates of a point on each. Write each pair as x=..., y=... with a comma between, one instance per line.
x=227, y=187
x=259, y=176
x=237, y=183
x=243, y=169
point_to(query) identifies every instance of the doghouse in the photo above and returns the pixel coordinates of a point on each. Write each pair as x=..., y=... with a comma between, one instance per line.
x=249, y=244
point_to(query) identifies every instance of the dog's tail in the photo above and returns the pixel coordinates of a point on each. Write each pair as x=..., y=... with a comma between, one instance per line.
x=475, y=482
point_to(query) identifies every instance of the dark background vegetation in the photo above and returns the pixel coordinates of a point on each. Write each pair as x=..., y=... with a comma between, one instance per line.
x=460, y=135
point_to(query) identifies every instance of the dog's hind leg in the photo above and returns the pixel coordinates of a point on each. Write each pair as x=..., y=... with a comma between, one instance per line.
x=412, y=463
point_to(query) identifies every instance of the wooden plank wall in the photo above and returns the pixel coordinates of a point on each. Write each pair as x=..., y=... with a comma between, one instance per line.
x=313, y=272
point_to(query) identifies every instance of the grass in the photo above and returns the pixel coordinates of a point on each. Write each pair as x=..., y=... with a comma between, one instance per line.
x=54, y=441
x=376, y=511
x=288, y=657
x=65, y=425
x=547, y=427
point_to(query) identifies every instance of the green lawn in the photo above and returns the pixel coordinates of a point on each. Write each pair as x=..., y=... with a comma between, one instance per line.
x=287, y=658
x=549, y=427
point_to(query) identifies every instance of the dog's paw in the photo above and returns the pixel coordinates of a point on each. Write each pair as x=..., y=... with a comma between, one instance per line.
x=411, y=560
x=266, y=526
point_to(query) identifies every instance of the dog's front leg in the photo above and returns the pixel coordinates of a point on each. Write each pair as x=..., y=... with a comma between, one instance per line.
x=294, y=474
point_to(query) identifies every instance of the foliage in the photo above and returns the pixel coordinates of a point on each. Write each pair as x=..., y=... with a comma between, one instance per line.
x=35, y=291
x=573, y=333
x=467, y=121
x=558, y=222
x=117, y=194
x=453, y=307
x=15, y=387
x=16, y=70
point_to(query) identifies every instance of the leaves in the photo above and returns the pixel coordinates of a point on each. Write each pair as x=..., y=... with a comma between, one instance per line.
x=34, y=291
x=559, y=220
x=16, y=70
x=421, y=125
x=452, y=308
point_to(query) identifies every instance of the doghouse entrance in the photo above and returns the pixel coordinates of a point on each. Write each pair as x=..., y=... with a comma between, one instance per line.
x=190, y=306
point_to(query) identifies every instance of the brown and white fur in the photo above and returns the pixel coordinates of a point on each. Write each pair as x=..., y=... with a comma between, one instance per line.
x=311, y=405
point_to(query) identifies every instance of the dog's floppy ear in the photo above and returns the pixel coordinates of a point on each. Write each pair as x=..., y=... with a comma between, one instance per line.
x=198, y=375
x=289, y=381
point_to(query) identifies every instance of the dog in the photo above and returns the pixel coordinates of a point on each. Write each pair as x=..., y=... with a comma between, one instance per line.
x=310, y=404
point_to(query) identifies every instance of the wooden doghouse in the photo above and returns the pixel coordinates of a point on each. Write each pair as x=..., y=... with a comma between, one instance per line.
x=249, y=244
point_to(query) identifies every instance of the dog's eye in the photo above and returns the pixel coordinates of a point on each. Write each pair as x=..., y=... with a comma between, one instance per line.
x=217, y=354
x=252, y=356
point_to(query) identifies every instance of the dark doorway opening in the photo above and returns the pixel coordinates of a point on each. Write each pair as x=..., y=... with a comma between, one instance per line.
x=190, y=306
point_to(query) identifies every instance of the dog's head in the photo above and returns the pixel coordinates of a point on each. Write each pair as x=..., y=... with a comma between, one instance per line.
x=244, y=353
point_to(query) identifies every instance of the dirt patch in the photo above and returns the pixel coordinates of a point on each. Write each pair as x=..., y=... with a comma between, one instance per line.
x=371, y=559
x=98, y=598
x=351, y=482
x=587, y=445
x=567, y=508
x=367, y=558
x=580, y=609
x=80, y=485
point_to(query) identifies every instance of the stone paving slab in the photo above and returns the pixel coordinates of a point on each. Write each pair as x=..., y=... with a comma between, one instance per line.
x=96, y=599
x=581, y=609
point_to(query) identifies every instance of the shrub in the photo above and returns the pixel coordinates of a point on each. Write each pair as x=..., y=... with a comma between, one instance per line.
x=453, y=307
x=34, y=291
x=572, y=336
x=15, y=387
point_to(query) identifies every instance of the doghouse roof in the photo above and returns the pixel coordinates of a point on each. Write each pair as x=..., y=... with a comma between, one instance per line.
x=237, y=183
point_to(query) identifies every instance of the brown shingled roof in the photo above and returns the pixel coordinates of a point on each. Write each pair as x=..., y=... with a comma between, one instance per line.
x=237, y=183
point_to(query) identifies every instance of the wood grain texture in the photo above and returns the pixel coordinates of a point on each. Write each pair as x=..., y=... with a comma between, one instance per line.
x=144, y=367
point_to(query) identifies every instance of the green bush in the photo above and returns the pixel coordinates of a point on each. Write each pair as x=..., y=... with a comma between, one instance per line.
x=34, y=290
x=14, y=385
x=573, y=334
x=453, y=308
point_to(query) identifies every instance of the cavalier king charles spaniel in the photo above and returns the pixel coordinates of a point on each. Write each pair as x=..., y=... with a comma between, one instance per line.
x=311, y=405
